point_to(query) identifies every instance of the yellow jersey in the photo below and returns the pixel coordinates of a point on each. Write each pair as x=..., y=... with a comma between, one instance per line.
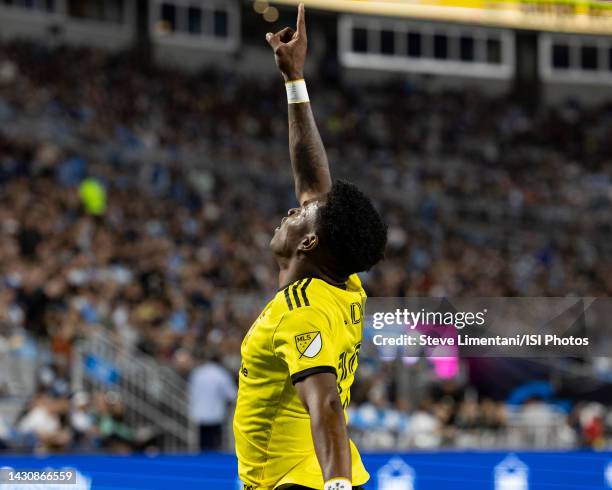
x=309, y=327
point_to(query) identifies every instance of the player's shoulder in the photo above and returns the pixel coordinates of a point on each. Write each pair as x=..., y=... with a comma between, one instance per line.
x=298, y=295
x=353, y=284
x=303, y=297
x=347, y=291
x=312, y=294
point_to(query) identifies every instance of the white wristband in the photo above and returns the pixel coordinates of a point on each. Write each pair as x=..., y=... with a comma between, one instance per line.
x=338, y=484
x=297, y=92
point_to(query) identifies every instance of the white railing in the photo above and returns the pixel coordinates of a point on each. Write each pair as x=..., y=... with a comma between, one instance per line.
x=17, y=375
x=154, y=395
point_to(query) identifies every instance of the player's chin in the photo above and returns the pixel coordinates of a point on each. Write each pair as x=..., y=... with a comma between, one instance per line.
x=278, y=243
x=274, y=241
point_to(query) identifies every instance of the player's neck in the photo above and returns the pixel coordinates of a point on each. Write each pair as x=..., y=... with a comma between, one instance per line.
x=294, y=270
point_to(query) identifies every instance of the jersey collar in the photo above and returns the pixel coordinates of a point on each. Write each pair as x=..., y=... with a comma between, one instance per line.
x=339, y=286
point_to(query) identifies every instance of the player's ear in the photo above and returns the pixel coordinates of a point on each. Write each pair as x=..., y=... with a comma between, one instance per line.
x=308, y=243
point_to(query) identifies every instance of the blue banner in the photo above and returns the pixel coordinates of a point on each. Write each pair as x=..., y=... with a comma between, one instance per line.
x=411, y=471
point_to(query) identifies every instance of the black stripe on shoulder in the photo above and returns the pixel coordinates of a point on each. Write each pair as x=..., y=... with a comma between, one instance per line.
x=304, y=296
x=302, y=375
x=288, y=299
x=295, y=293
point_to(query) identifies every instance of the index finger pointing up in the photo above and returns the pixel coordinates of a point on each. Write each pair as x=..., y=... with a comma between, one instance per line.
x=301, y=21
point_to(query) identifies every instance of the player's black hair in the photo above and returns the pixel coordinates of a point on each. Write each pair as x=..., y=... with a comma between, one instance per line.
x=351, y=229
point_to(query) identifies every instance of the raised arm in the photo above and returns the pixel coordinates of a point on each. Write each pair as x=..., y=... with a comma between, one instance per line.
x=308, y=157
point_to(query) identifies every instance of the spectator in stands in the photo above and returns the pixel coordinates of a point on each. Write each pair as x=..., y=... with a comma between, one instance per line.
x=211, y=390
x=115, y=433
x=425, y=427
x=83, y=422
x=5, y=433
x=592, y=425
x=183, y=363
x=44, y=421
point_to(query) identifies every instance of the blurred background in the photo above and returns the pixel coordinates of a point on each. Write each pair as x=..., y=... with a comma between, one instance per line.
x=144, y=165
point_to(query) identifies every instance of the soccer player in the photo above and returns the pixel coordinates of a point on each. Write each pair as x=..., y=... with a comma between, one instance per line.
x=300, y=355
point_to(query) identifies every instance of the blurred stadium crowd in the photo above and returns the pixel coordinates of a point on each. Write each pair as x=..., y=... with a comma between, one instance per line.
x=141, y=201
